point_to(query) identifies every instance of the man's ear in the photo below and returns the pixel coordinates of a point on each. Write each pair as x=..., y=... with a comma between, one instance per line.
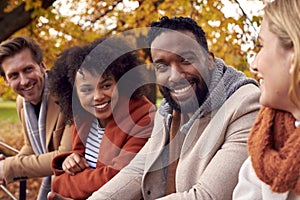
x=43, y=66
x=211, y=60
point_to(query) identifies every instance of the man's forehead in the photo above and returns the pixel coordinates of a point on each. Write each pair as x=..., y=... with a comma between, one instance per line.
x=175, y=41
x=18, y=61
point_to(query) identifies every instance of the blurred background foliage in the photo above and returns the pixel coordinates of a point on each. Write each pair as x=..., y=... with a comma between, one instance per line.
x=59, y=24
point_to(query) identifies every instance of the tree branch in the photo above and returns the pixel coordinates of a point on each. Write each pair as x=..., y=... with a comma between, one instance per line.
x=3, y=5
x=20, y=18
x=245, y=15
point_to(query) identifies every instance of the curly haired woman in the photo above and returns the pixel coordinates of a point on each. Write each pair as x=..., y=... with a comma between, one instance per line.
x=111, y=118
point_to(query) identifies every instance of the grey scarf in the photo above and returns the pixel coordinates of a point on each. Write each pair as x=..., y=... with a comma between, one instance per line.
x=36, y=128
x=224, y=82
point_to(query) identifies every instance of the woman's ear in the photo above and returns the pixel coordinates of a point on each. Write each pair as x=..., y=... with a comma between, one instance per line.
x=292, y=62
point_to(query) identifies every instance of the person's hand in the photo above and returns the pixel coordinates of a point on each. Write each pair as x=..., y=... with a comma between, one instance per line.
x=74, y=163
x=2, y=157
x=55, y=196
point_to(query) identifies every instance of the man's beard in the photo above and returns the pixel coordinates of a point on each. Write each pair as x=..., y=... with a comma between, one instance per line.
x=192, y=103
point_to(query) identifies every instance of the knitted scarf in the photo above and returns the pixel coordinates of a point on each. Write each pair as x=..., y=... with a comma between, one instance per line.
x=224, y=82
x=274, y=145
x=36, y=128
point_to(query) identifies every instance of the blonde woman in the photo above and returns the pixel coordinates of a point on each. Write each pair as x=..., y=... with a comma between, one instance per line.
x=272, y=170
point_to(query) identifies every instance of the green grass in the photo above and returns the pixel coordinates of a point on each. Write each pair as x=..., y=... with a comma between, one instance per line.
x=8, y=112
x=7, y=104
x=11, y=128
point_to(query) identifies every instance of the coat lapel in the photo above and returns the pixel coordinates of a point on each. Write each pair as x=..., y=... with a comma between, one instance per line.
x=53, y=111
x=158, y=139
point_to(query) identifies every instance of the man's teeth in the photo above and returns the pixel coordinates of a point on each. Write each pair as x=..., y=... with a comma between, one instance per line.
x=101, y=106
x=28, y=88
x=182, y=89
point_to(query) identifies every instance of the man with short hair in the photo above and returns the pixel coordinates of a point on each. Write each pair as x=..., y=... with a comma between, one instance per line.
x=46, y=133
x=200, y=132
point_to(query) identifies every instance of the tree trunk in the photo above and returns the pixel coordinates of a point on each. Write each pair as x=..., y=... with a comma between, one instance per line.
x=16, y=19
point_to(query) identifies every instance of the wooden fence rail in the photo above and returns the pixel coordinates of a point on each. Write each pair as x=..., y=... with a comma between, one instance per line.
x=22, y=186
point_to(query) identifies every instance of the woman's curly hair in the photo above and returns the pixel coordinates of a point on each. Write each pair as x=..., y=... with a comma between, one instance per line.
x=105, y=56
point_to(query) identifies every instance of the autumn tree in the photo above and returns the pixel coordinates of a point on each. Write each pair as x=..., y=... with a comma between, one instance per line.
x=59, y=24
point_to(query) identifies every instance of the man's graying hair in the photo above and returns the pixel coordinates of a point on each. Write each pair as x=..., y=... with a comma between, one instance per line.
x=177, y=24
x=15, y=45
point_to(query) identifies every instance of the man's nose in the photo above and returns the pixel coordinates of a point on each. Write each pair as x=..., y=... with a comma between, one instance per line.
x=175, y=73
x=24, y=80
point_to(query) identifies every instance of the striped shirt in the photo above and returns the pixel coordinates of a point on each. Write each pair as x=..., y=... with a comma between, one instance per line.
x=93, y=144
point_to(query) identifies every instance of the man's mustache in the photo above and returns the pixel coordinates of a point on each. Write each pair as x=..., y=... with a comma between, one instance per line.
x=182, y=82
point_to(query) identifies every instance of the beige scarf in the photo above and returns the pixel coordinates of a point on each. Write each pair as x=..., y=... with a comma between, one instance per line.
x=274, y=145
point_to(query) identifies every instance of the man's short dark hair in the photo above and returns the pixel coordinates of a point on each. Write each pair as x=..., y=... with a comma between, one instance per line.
x=177, y=24
x=15, y=45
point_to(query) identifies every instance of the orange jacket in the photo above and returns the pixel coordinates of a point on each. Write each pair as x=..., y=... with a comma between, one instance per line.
x=124, y=136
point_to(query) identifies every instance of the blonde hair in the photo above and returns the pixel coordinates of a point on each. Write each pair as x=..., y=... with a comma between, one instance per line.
x=284, y=21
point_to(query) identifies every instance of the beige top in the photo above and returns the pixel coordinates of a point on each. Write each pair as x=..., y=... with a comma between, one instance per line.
x=250, y=187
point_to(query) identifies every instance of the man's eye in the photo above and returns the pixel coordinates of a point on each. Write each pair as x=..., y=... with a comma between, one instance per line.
x=28, y=69
x=187, y=61
x=12, y=76
x=160, y=67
